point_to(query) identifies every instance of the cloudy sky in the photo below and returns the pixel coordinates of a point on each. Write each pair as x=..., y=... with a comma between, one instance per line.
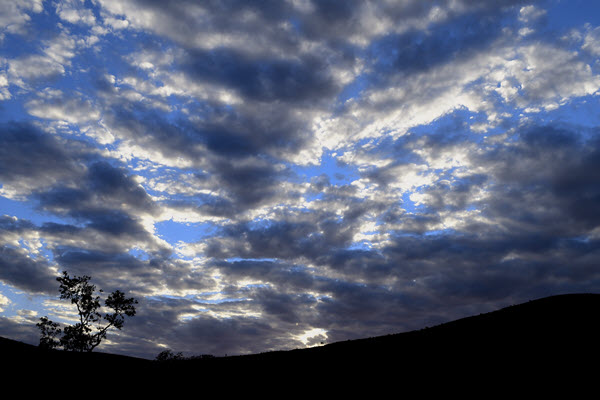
x=267, y=175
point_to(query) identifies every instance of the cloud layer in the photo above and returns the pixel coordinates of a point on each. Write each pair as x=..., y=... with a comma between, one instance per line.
x=270, y=175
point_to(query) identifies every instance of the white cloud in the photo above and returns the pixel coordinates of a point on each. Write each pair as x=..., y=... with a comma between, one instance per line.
x=128, y=150
x=55, y=56
x=54, y=105
x=529, y=13
x=4, y=92
x=592, y=41
x=99, y=132
x=525, y=31
x=548, y=74
x=74, y=11
x=4, y=302
x=116, y=23
x=14, y=15
x=532, y=75
x=395, y=109
x=61, y=49
x=32, y=67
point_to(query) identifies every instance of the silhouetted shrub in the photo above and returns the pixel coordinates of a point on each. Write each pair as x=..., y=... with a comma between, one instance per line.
x=202, y=357
x=168, y=355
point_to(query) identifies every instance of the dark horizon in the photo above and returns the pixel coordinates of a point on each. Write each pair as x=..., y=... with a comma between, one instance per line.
x=280, y=174
x=540, y=346
x=557, y=318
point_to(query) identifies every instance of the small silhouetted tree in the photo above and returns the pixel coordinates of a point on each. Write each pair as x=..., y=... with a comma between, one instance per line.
x=89, y=332
x=50, y=330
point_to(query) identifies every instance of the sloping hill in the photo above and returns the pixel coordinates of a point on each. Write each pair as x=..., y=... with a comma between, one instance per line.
x=557, y=327
x=554, y=338
x=543, y=346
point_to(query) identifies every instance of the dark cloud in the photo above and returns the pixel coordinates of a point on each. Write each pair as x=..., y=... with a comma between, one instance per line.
x=113, y=223
x=280, y=275
x=263, y=79
x=284, y=307
x=100, y=264
x=249, y=184
x=106, y=204
x=25, y=331
x=110, y=183
x=102, y=187
x=235, y=336
x=455, y=195
x=316, y=235
x=239, y=151
x=418, y=51
x=238, y=187
x=20, y=270
x=14, y=225
x=32, y=158
x=123, y=270
x=547, y=181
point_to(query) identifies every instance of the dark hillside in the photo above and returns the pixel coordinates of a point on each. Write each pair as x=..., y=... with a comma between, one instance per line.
x=30, y=360
x=554, y=339
x=546, y=342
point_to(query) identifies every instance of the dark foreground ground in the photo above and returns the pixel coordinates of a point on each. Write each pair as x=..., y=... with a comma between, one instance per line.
x=546, y=346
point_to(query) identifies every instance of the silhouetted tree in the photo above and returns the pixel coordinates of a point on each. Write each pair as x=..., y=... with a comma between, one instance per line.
x=89, y=332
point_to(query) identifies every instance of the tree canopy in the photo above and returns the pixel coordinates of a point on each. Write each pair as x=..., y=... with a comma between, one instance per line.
x=92, y=326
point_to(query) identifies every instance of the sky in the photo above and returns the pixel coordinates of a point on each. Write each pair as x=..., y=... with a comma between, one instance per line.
x=269, y=175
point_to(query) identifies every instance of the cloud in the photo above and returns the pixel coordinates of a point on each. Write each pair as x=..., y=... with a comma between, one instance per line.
x=417, y=51
x=263, y=79
x=111, y=212
x=531, y=12
x=14, y=15
x=21, y=328
x=33, y=67
x=51, y=60
x=24, y=272
x=4, y=301
x=254, y=172
x=49, y=161
x=55, y=105
x=552, y=74
x=547, y=179
x=238, y=335
x=592, y=42
x=73, y=11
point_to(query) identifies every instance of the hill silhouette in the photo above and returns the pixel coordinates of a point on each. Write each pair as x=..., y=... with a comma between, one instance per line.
x=549, y=341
